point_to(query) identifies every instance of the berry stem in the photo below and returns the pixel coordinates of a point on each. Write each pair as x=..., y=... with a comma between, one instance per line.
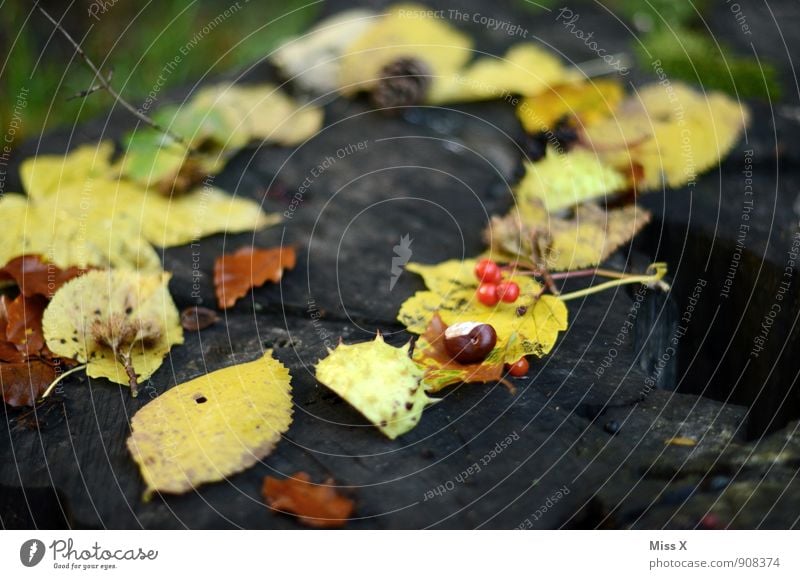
x=653, y=276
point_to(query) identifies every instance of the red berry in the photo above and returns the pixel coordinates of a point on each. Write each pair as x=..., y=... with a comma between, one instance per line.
x=519, y=368
x=508, y=291
x=488, y=271
x=487, y=294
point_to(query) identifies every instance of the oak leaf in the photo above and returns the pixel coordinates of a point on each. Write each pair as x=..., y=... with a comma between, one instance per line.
x=378, y=380
x=528, y=326
x=121, y=324
x=315, y=505
x=211, y=427
x=237, y=273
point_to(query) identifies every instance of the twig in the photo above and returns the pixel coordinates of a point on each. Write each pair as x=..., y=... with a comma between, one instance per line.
x=92, y=90
x=59, y=378
x=107, y=86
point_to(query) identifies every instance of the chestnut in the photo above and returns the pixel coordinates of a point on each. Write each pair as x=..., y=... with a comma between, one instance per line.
x=469, y=342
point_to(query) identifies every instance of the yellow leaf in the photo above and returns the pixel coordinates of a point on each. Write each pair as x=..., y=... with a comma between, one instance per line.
x=526, y=69
x=209, y=428
x=161, y=220
x=73, y=236
x=590, y=102
x=311, y=61
x=585, y=239
x=378, y=380
x=114, y=322
x=563, y=180
x=669, y=134
x=528, y=326
x=680, y=441
x=406, y=31
x=45, y=174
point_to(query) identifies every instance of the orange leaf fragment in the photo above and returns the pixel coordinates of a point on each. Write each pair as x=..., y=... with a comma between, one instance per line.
x=315, y=505
x=237, y=273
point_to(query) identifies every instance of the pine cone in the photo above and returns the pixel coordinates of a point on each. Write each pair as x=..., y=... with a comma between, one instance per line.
x=404, y=82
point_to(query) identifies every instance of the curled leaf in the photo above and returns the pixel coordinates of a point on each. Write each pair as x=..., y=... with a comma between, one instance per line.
x=378, y=380
x=35, y=276
x=209, y=428
x=315, y=505
x=121, y=324
x=237, y=273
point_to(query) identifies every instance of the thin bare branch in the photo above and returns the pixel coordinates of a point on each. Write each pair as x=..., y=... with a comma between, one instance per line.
x=106, y=85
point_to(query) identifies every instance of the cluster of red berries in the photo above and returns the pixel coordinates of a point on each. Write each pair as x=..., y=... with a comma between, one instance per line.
x=493, y=288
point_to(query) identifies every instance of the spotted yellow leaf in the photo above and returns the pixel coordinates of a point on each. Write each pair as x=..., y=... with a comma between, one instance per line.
x=585, y=239
x=589, y=102
x=120, y=323
x=668, y=135
x=405, y=31
x=209, y=428
x=560, y=181
x=528, y=326
x=378, y=380
x=161, y=220
x=526, y=69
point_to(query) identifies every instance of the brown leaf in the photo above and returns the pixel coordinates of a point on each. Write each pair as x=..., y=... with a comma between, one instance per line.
x=24, y=324
x=314, y=505
x=440, y=368
x=34, y=276
x=196, y=318
x=22, y=383
x=237, y=273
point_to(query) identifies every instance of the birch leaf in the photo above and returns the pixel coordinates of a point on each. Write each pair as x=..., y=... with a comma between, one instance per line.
x=585, y=239
x=121, y=324
x=209, y=428
x=378, y=380
x=563, y=180
x=672, y=134
x=528, y=326
x=406, y=31
x=589, y=102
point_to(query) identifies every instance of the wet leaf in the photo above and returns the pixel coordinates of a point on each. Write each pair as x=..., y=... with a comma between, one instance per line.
x=441, y=370
x=563, y=180
x=671, y=133
x=237, y=273
x=22, y=383
x=528, y=326
x=585, y=239
x=315, y=505
x=211, y=427
x=378, y=380
x=121, y=324
x=196, y=318
x=34, y=276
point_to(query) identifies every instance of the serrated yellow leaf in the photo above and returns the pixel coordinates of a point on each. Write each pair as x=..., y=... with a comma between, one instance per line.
x=586, y=239
x=589, y=102
x=526, y=69
x=73, y=236
x=668, y=134
x=161, y=220
x=560, y=181
x=378, y=380
x=209, y=428
x=528, y=326
x=406, y=31
x=106, y=318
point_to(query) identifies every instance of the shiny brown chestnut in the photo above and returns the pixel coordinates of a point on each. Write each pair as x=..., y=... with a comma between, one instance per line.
x=469, y=342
